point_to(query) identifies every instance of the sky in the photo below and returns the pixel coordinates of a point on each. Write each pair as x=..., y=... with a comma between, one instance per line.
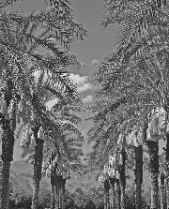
x=89, y=13
x=99, y=43
x=90, y=51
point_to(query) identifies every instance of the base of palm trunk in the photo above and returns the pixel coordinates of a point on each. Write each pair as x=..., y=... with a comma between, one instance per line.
x=167, y=187
x=38, y=157
x=138, y=176
x=118, y=194
x=123, y=179
x=63, y=193
x=163, y=202
x=154, y=170
x=123, y=198
x=35, y=198
x=138, y=196
x=58, y=196
x=53, y=200
x=106, y=195
x=167, y=171
x=113, y=194
x=5, y=185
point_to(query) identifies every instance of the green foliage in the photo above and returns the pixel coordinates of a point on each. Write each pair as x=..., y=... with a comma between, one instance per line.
x=137, y=18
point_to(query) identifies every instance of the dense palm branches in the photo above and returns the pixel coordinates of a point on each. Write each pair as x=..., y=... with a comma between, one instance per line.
x=134, y=80
x=29, y=44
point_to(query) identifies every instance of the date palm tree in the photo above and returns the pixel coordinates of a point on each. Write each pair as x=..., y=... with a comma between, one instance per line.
x=163, y=193
x=19, y=46
x=61, y=147
x=142, y=19
x=60, y=167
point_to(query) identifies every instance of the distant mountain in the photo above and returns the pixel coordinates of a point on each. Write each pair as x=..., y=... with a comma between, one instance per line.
x=21, y=179
x=22, y=172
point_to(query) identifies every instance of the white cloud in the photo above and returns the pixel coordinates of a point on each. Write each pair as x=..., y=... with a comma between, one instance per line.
x=82, y=64
x=77, y=79
x=81, y=82
x=94, y=62
x=84, y=87
x=87, y=99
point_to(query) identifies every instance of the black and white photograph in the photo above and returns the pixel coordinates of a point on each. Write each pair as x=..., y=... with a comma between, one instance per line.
x=84, y=104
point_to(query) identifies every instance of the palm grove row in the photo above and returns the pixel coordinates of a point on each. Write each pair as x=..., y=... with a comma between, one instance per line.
x=131, y=105
x=34, y=58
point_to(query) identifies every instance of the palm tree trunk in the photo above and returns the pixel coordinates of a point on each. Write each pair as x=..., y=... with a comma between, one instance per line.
x=7, y=157
x=53, y=197
x=54, y=194
x=37, y=169
x=138, y=176
x=123, y=179
x=162, y=188
x=35, y=198
x=154, y=169
x=59, y=191
x=167, y=170
x=106, y=195
x=118, y=194
x=58, y=196
x=5, y=185
x=112, y=181
x=8, y=139
x=63, y=193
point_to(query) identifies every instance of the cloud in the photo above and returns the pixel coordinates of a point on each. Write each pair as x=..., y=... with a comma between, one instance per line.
x=84, y=87
x=81, y=82
x=94, y=62
x=77, y=79
x=82, y=64
x=87, y=99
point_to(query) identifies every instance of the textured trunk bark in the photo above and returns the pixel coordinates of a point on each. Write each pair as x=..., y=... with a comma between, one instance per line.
x=123, y=179
x=162, y=196
x=59, y=191
x=154, y=169
x=53, y=197
x=5, y=185
x=38, y=156
x=167, y=170
x=8, y=126
x=138, y=176
x=113, y=198
x=118, y=194
x=63, y=193
x=138, y=196
x=54, y=189
x=35, y=198
x=123, y=198
x=56, y=196
x=106, y=195
x=7, y=157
